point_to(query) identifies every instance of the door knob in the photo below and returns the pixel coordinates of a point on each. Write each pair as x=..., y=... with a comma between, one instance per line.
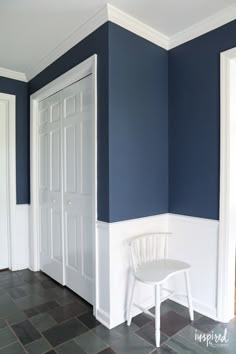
x=69, y=202
x=54, y=201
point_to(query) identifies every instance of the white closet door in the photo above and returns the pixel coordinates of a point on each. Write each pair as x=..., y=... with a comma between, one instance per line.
x=3, y=184
x=50, y=187
x=79, y=140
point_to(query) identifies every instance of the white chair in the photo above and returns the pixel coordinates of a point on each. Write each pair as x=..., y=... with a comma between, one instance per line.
x=150, y=265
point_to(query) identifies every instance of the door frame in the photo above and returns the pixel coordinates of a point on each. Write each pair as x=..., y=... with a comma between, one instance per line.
x=87, y=67
x=11, y=178
x=226, y=244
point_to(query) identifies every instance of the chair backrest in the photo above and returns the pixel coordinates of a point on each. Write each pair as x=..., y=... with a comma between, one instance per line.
x=148, y=248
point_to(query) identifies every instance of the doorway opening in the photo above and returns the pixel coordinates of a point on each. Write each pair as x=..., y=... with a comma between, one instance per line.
x=7, y=181
x=227, y=229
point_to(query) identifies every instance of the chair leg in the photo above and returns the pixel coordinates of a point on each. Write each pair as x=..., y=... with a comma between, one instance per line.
x=157, y=314
x=130, y=307
x=189, y=295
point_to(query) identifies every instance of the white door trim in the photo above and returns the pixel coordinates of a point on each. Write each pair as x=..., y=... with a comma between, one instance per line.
x=226, y=246
x=11, y=188
x=89, y=66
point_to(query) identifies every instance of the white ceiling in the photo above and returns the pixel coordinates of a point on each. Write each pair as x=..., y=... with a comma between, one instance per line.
x=31, y=29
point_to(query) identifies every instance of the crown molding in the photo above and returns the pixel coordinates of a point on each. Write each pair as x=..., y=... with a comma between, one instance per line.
x=77, y=36
x=133, y=25
x=208, y=24
x=112, y=14
x=15, y=75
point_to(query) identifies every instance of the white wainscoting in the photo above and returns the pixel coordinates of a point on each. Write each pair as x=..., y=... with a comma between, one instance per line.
x=194, y=240
x=20, y=253
x=113, y=267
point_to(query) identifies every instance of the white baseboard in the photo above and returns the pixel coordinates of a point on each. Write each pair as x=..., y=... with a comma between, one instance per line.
x=20, y=256
x=199, y=307
x=194, y=240
x=103, y=317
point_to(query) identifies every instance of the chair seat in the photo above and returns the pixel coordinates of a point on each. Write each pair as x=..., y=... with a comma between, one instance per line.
x=160, y=270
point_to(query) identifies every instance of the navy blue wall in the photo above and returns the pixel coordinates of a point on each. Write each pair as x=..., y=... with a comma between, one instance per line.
x=132, y=126
x=194, y=123
x=96, y=43
x=20, y=90
x=138, y=126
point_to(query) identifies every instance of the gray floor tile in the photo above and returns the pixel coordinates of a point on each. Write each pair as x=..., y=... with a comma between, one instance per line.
x=63, y=313
x=45, y=307
x=217, y=347
x=38, y=347
x=16, y=317
x=170, y=305
x=172, y=322
x=141, y=320
x=189, y=332
x=48, y=283
x=2, y=323
x=124, y=329
x=90, y=343
x=108, y=350
x=7, y=306
x=132, y=344
x=15, y=348
x=205, y=324
x=184, y=346
x=16, y=293
x=164, y=349
x=64, y=332
x=147, y=332
x=69, y=347
x=89, y=320
x=29, y=301
x=108, y=336
x=26, y=332
x=6, y=337
x=43, y=321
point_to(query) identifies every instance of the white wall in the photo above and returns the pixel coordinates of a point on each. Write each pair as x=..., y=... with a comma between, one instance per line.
x=20, y=249
x=194, y=240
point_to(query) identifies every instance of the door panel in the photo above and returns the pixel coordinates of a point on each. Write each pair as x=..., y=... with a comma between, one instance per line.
x=50, y=187
x=70, y=152
x=78, y=128
x=3, y=184
x=55, y=156
x=66, y=189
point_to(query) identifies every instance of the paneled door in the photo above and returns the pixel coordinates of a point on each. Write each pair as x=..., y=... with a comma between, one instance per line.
x=79, y=166
x=66, y=140
x=4, y=207
x=50, y=187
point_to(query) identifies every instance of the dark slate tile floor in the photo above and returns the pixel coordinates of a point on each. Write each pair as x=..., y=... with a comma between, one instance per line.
x=37, y=316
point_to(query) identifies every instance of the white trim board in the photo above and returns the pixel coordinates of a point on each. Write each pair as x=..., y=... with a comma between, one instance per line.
x=15, y=75
x=11, y=185
x=130, y=23
x=89, y=66
x=227, y=240
x=208, y=24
